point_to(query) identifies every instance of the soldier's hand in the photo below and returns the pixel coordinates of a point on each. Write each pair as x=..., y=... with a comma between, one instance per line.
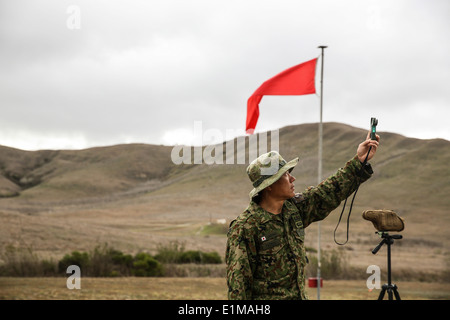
x=364, y=147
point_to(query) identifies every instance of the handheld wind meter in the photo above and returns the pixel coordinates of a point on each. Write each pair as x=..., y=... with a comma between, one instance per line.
x=373, y=129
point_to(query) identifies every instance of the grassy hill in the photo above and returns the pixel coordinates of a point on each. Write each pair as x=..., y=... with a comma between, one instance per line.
x=67, y=174
x=134, y=197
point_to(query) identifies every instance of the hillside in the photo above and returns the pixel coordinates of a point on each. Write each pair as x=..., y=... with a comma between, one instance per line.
x=134, y=198
x=67, y=174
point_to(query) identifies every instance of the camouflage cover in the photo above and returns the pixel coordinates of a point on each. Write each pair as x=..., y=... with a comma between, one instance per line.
x=384, y=220
x=265, y=253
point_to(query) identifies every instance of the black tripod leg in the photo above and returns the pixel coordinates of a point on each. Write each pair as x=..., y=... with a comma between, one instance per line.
x=390, y=295
x=391, y=290
x=397, y=296
x=383, y=291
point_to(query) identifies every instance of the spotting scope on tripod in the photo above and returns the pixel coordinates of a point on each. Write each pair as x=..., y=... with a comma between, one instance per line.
x=385, y=221
x=389, y=287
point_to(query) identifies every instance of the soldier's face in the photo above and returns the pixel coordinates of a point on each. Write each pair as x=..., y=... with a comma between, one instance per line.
x=284, y=187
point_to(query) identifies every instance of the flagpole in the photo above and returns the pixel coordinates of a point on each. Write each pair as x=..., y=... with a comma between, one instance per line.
x=319, y=171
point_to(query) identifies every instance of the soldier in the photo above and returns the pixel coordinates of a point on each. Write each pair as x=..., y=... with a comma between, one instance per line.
x=265, y=252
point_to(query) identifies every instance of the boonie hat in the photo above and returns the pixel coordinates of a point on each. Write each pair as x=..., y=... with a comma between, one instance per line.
x=267, y=169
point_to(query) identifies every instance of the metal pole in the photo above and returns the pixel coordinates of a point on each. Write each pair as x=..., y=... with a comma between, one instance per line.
x=319, y=171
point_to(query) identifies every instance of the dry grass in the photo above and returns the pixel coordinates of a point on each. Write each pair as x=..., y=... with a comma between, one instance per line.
x=131, y=288
x=133, y=198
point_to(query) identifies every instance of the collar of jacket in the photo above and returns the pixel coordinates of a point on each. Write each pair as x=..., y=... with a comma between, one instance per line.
x=264, y=216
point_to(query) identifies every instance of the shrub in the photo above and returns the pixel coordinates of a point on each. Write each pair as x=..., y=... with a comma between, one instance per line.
x=174, y=253
x=190, y=257
x=122, y=263
x=80, y=259
x=49, y=268
x=23, y=262
x=211, y=257
x=104, y=261
x=170, y=253
x=145, y=265
x=107, y=262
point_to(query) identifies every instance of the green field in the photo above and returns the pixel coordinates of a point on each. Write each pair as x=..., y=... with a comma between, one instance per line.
x=133, y=288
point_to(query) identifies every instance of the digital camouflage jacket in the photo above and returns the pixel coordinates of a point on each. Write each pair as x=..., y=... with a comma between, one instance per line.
x=265, y=252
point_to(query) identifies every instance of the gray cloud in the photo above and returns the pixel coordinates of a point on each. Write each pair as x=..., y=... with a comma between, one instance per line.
x=138, y=71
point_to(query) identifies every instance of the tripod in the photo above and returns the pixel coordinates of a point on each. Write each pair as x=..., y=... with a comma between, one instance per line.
x=389, y=287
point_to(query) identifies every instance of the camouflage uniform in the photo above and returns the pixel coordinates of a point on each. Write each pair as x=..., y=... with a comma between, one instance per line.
x=265, y=252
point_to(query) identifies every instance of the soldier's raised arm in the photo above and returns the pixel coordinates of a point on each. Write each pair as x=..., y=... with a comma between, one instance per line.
x=316, y=203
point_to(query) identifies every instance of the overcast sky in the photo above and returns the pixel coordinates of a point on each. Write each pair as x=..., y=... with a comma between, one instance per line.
x=76, y=74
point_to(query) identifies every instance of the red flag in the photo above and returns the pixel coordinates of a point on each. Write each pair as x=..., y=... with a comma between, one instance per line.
x=297, y=80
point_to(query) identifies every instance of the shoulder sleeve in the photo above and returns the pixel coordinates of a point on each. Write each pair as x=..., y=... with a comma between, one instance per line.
x=238, y=256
